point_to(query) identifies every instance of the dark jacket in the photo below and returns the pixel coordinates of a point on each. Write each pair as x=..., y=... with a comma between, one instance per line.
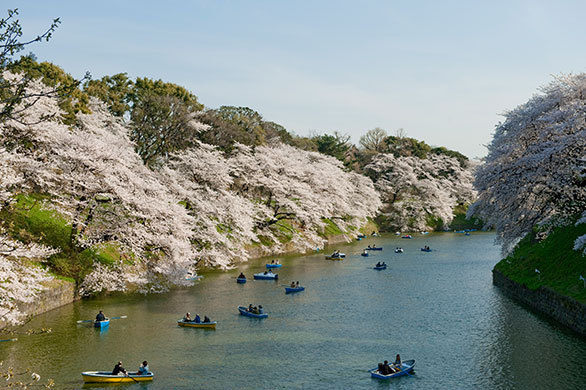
x=118, y=369
x=100, y=317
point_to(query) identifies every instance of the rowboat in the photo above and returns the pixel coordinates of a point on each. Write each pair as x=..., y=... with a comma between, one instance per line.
x=406, y=368
x=374, y=248
x=407, y=236
x=380, y=267
x=268, y=276
x=274, y=265
x=399, y=250
x=243, y=311
x=102, y=324
x=425, y=249
x=336, y=256
x=107, y=377
x=240, y=280
x=289, y=290
x=191, y=324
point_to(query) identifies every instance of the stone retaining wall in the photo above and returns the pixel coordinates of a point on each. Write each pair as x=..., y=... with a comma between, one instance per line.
x=565, y=310
x=57, y=293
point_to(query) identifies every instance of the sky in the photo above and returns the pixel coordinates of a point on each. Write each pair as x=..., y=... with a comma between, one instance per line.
x=444, y=71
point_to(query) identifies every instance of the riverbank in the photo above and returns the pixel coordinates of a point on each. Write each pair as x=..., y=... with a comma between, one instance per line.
x=565, y=310
x=58, y=292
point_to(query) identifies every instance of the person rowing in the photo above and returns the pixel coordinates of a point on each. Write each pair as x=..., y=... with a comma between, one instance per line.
x=241, y=276
x=292, y=284
x=187, y=318
x=206, y=319
x=100, y=316
x=118, y=369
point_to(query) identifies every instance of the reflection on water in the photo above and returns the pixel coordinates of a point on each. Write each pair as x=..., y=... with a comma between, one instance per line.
x=439, y=308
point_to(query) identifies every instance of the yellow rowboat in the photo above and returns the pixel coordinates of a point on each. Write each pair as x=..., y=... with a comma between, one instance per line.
x=107, y=377
x=209, y=325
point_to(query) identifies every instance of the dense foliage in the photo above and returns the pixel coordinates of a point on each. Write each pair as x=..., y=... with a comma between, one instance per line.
x=84, y=191
x=535, y=171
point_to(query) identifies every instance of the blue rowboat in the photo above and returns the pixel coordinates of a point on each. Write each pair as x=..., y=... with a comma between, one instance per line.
x=274, y=265
x=267, y=276
x=243, y=311
x=240, y=280
x=373, y=248
x=289, y=290
x=380, y=268
x=102, y=324
x=405, y=369
x=425, y=250
x=407, y=236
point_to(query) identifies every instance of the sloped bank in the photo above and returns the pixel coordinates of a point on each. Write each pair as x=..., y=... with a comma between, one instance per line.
x=563, y=309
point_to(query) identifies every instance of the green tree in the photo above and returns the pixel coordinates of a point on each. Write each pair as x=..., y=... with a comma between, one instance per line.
x=335, y=145
x=115, y=91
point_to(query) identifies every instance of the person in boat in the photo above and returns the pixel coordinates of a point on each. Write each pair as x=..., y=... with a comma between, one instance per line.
x=398, y=361
x=386, y=369
x=260, y=310
x=197, y=319
x=255, y=310
x=368, y=246
x=378, y=264
x=241, y=276
x=380, y=368
x=143, y=369
x=118, y=369
x=100, y=316
x=250, y=308
x=266, y=272
x=292, y=284
x=297, y=284
x=187, y=318
x=206, y=319
x=273, y=261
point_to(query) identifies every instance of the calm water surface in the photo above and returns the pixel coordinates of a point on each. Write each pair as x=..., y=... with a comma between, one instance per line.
x=439, y=308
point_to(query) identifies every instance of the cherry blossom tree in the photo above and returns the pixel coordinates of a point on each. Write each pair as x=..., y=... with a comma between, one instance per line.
x=420, y=193
x=535, y=171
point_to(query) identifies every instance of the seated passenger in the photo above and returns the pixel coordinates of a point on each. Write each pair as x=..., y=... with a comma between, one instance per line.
x=250, y=307
x=241, y=276
x=197, y=319
x=297, y=285
x=398, y=360
x=143, y=369
x=206, y=319
x=260, y=310
x=292, y=284
x=187, y=318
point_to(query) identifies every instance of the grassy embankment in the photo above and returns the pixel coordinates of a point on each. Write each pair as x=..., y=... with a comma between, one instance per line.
x=560, y=266
x=29, y=220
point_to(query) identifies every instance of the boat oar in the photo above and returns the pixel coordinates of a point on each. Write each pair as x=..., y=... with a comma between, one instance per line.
x=112, y=318
x=8, y=340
